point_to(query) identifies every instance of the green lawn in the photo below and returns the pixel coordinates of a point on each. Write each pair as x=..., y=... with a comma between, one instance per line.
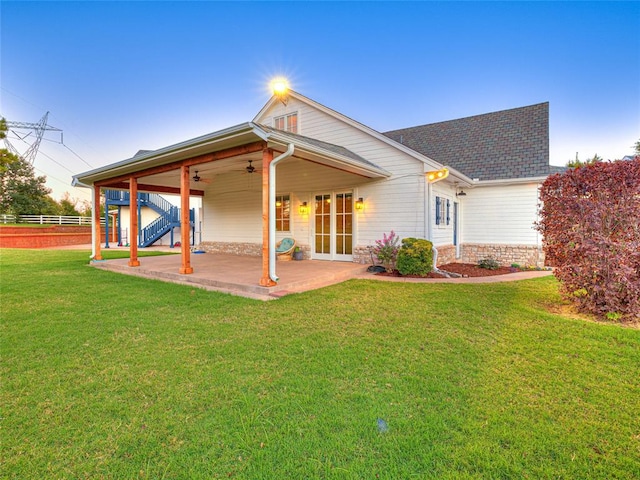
x=118, y=377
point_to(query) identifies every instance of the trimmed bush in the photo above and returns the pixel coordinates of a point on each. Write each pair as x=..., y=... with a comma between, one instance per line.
x=415, y=257
x=590, y=220
x=489, y=263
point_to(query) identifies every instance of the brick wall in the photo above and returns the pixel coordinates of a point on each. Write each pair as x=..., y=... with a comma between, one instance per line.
x=47, y=237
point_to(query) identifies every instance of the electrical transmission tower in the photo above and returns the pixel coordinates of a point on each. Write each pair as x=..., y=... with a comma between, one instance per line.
x=18, y=128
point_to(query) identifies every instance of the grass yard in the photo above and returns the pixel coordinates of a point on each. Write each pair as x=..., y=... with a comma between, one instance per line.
x=117, y=377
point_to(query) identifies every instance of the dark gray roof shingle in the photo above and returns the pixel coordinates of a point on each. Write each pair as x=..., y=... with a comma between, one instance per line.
x=500, y=145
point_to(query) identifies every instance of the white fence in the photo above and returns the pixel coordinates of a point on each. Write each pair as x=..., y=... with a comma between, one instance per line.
x=48, y=219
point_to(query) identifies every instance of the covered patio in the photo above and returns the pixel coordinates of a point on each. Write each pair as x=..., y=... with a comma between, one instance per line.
x=220, y=159
x=237, y=274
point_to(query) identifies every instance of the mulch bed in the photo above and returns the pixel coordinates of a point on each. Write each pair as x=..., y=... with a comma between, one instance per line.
x=464, y=269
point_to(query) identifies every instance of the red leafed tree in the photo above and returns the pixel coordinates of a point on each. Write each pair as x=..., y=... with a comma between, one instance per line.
x=590, y=220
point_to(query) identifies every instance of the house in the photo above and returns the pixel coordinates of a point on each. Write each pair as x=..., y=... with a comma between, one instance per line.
x=300, y=169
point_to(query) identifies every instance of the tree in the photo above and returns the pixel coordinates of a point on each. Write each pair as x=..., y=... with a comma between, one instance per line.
x=6, y=157
x=637, y=147
x=579, y=163
x=590, y=220
x=22, y=192
x=69, y=206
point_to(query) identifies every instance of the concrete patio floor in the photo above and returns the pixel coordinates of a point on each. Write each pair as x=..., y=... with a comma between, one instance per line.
x=240, y=275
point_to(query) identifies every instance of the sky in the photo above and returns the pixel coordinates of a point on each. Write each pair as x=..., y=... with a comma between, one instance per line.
x=118, y=77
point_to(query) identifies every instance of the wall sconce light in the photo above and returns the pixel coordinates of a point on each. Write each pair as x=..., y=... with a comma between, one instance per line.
x=461, y=193
x=303, y=208
x=360, y=205
x=437, y=175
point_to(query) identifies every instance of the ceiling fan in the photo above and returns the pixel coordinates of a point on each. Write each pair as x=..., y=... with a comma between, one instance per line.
x=250, y=168
x=198, y=178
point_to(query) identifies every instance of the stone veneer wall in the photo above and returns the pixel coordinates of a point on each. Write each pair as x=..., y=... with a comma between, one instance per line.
x=232, y=248
x=361, y=254
x=525, y=255
x=244, y=249
x=446, y=254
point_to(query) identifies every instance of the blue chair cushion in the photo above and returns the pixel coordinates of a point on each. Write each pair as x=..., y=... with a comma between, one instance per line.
x=285, y=245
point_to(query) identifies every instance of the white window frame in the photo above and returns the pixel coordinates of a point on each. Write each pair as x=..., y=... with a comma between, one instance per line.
x=287, y=122
x=280, y=220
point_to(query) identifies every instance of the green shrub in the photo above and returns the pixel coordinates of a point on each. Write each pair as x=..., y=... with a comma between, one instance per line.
x=489, y=263
x=415, y=257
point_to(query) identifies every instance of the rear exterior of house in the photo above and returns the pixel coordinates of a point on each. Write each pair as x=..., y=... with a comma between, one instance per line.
x=304, y=171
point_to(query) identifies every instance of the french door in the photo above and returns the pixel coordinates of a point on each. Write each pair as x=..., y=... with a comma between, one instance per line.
x=333, y=226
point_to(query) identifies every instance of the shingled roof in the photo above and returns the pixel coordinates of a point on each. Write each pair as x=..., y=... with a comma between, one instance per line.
x=500, y=145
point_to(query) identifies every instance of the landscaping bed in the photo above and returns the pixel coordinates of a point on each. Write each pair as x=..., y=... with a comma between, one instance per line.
x=464, y=269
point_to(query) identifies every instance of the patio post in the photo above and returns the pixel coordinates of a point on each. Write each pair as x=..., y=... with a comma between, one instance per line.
x=184, y=221
x=96, y=223
x=133, y=223
x=267, y=157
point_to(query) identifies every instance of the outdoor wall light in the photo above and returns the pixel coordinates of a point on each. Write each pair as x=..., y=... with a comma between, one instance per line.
x=303, y=208
x=437, y=175
x=360, y=204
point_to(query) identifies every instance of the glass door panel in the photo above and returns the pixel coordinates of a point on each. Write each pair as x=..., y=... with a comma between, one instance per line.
x=323, y=224
x=344, y=223
x=333, y=236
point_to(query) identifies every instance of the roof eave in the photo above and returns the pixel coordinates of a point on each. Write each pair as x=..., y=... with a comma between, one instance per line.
x=167, y=154
x=343, y=162
x=509, y=181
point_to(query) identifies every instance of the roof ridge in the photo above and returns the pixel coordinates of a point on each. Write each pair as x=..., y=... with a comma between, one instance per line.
x=497, y=112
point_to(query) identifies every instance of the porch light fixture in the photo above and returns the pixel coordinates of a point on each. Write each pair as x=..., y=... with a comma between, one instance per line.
x=360, y=204
x=461, y=193
x=303, y=208
x=280, y=88
x=437, y=175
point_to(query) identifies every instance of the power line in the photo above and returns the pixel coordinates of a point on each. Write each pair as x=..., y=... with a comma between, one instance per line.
x=87, y=163
x=50, y=158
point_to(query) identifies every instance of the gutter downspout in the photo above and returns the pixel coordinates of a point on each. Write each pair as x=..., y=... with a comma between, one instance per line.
x=93, y=223
x=272, y=210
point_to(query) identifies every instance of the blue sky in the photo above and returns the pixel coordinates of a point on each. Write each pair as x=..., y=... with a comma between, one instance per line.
x=122, y=76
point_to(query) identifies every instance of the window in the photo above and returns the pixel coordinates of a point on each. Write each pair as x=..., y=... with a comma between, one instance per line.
x=443, y=211
x=448, y=212
x=288, y=123
x=283, y=212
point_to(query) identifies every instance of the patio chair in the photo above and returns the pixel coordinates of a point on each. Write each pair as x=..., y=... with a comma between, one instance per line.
x=285, y=247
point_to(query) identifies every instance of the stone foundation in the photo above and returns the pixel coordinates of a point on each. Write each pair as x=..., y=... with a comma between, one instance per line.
x=524, y=255
x=243, y=249
x=232, y=248
x=446, y=254
x=361, y=255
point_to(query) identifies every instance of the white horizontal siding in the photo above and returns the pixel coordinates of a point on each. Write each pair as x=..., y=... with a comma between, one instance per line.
x=500, y=215
x=395, y=203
